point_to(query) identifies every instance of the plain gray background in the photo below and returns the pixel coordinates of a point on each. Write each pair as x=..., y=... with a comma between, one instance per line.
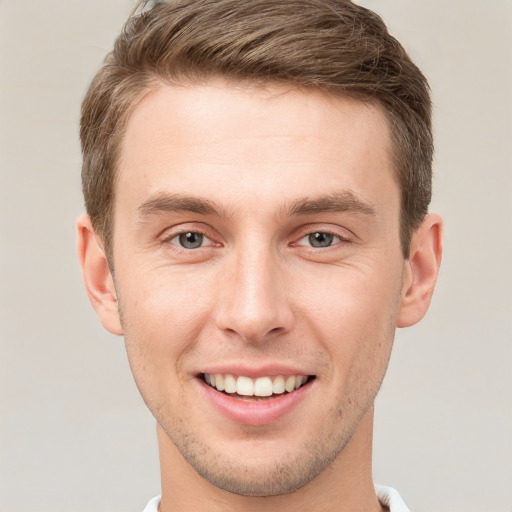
x=74, y=433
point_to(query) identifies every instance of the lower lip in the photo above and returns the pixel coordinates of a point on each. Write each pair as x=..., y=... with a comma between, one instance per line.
x=255, y=412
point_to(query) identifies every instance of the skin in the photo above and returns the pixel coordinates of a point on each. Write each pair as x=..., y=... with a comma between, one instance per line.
x=255, y=172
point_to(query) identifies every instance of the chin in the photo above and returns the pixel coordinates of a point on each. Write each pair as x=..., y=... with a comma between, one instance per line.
x=248, y=481
x=267, y=472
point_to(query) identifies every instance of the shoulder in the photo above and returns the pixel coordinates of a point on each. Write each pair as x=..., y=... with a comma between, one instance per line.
x=390, y=498
x=152, y=505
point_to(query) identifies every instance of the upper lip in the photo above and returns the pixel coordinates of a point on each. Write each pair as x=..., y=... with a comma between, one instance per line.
x=267, y=370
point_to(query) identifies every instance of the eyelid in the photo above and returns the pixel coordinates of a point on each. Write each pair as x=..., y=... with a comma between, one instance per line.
x=305, y=238
x=203, y=245
x=334, y=243
x=343, y=234
x=173, y=232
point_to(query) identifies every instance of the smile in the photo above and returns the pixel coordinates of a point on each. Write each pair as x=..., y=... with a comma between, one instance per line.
x=259, y=387
x=258, y=400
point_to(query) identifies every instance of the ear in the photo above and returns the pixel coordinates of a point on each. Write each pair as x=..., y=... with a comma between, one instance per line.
x=421, y=270
x=97, y=276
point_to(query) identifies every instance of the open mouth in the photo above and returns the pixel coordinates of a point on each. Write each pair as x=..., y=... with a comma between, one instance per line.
x=240, y=386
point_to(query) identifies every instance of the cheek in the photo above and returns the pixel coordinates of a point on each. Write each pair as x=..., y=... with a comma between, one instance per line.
x=165, y=301
x=163, y=314
x=344, y=296
x=354, y=313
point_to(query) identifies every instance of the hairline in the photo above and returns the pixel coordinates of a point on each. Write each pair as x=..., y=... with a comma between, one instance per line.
x=155, y=81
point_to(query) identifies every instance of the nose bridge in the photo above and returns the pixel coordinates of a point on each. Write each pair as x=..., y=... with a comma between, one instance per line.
x=254, y=302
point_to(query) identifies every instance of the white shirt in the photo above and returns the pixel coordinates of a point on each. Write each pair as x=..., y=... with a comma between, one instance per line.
x=388, y=497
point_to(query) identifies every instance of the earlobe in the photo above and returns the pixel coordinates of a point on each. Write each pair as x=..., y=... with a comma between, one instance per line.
x=421, y=271
x=97, y=276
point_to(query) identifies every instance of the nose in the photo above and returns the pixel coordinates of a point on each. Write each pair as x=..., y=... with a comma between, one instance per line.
x=253, y=300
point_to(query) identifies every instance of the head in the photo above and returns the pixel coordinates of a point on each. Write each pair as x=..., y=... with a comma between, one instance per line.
x=332, y=46
x=257, y=173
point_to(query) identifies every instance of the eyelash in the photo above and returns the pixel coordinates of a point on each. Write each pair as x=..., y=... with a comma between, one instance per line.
x=185, y=233
x=337, y=239
x=206, y=243
x=174, y=239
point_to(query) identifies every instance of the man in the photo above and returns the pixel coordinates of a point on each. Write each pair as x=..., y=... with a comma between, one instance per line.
x=257, y=177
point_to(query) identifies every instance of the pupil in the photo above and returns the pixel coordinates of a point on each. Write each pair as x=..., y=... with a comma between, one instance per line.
x=191, y=240
x=320, y=239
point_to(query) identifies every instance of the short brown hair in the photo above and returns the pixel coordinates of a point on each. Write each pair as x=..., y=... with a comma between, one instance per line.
x=329, y=45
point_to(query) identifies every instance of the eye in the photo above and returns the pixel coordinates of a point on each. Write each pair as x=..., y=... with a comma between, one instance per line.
x=190, y=240
x=319, y=239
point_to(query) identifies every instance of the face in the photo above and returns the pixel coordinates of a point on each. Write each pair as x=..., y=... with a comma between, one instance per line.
x=259, y=272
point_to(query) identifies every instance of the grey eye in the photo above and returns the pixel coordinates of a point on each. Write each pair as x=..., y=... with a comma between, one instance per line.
x=320, y=239
x=191, y=240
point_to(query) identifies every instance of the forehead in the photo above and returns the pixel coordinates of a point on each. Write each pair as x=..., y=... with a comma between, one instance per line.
x=244, y=142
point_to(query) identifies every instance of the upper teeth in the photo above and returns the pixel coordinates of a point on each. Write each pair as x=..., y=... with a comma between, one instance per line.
x=262, y=386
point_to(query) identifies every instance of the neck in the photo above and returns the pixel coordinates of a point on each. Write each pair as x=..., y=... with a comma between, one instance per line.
x=346, y=485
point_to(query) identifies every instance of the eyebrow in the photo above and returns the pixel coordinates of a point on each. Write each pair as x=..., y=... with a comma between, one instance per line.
x=173, y=203
x=345, y=201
